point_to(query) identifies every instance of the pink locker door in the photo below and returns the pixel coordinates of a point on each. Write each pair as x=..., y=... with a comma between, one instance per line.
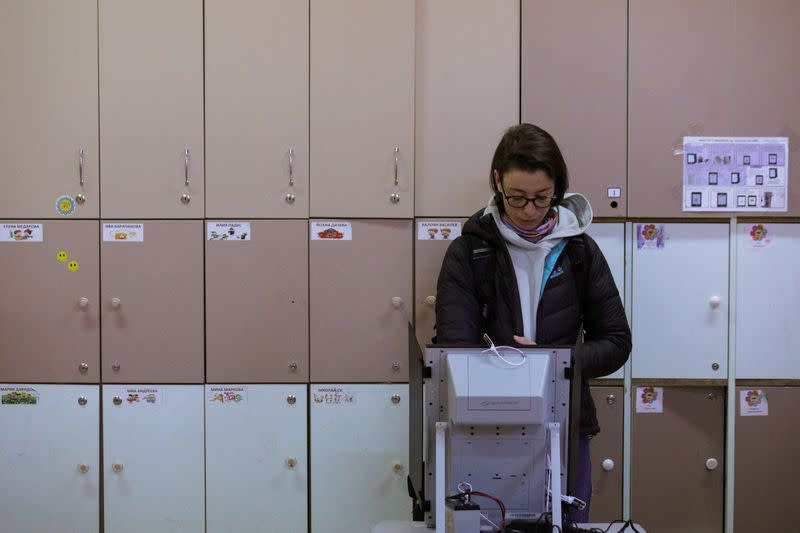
x=257, y=301
x=152, y=301
x=49, y=301
x=361, y=301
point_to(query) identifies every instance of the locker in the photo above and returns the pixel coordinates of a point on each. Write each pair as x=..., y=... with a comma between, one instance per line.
x=677, y=464
x=610, y=237
x=257, y=301
x=681, y=83
x=256, y=458
x=361, y=301
x=49, y=301
x=152, y=307
x=606, y=451
x=467, y=81
x=767, y=469
x=153, y=467
x=50, y=458
x=256, y=126
x=359, y=456
x=680, y=309
x=151, y=108
x=767, y=292
x=583, y=84
x=429, y=250
x=48, y=108
x=767, y=29
x=367, y=172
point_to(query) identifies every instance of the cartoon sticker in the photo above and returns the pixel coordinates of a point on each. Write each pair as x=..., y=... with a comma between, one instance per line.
x=143, y=397
x=65, y=205
x=62, y=256
x=333, y=396
x=758, y=236
x=225, y=395
x=331, y=231
x=18, y=396
x=649, y=399
x=123, y=232
x=72, y=266
x=438, y=231
x=228, y=231
x=650, y=236
x=753, y=402
x=21, y=233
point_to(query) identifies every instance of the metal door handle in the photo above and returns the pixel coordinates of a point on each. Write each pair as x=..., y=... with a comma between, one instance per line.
x=80, y=166
x=396, y=164
x=291, y=167
x=186, y=166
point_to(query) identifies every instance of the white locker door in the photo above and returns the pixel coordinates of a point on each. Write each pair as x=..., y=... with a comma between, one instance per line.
x=153, y=458
x=50, y=458
x=610, y=237
x=768, y=292
x=256, y=460
x=359, y=456
x=680, y=301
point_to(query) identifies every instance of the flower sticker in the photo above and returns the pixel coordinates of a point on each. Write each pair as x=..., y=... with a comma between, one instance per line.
x=650, y=236
x=753, y=402
x=759, y=232
x=649, y=400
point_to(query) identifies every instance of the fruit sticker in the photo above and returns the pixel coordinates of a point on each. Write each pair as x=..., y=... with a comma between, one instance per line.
x=228, y=231
x=72, y=266
x=21, y=233
x=123, y=232
x=331, y=231
x=758, y=236
x=143, y=397
x=18, y=396
x=65, y=206
x=438, y=230
x=649, y=399
x=753, y=402
x=650, y=236
x=226, y=395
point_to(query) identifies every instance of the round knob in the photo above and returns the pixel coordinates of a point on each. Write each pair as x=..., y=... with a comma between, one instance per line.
x=185, y=198
x=395, y=399
x=396, y=366
x=712, y=464
x=608, y=465
x=82, y=400
x=117, y=400
x=715, y=366
x=395, y=198
x=80, y=199
x=714, y=302
x=83, y=302
x=293, y=366
x=83, y=468
x=83, y=367
x=291, y=399
x=117, y=467
x=291, y=462
x=290, y=198
x=397, y=302
x=115, y=366
x=611, y=399
x=116, y=302
x=430, y=301
x=397, y=467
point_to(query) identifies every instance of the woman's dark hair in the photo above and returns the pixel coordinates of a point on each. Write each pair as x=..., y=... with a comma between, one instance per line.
x=529, y=148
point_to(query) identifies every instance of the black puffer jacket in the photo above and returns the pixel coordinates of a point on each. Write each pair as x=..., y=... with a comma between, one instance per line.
x=460, y=319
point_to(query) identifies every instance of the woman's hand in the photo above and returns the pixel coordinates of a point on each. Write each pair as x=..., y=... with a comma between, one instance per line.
x=525, y=341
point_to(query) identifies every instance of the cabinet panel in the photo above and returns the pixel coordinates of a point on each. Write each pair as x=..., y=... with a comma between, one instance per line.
x=606, y=451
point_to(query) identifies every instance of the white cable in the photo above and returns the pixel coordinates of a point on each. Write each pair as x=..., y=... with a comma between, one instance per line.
x=495, y=350
x=490, y=522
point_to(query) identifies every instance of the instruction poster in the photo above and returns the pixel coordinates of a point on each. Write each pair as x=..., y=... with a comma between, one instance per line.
x=746, y=174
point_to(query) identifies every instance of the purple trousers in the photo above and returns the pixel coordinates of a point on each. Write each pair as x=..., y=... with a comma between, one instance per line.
x=583, y=482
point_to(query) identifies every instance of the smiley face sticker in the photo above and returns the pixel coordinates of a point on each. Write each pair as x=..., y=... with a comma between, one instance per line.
x=62, y=256
x=72, y=266
x=65, y=205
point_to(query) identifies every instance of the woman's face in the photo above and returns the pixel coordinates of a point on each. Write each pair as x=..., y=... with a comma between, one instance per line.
x=530, y=185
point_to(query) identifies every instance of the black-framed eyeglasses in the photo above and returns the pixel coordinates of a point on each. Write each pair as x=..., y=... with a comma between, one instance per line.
x=520, y=202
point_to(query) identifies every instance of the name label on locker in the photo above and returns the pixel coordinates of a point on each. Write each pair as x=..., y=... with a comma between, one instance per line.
x=123, y=232
x=22, y=233
x=438, y=231
x=333, y=396
x=144, y=397
x=228, y=231
x=19, y=396
x=223, y=395
x=331, y=231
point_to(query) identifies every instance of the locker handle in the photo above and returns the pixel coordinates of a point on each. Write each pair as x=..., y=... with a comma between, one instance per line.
x=291, y=167
x=608, y=465
x=186, y=165
x=117, y=467
x=714, y=302
x=83, y=468
x=80, y=166
x=396, y=165
x=116, y=303
x=711, y=464
x=430, y=301
x=83, y=302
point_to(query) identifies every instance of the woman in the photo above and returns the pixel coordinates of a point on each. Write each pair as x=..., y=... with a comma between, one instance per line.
x=524, y=271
